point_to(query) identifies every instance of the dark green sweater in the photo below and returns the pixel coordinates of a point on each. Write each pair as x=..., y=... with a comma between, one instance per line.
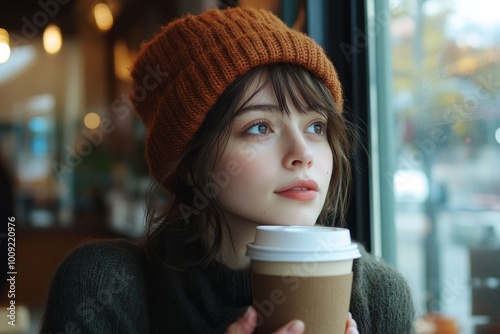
x=106, y=287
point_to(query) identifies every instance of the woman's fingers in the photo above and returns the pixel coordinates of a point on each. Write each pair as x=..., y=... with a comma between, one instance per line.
x=293, y=327
x=248, y=321
x=351, y=327
x=246, y=324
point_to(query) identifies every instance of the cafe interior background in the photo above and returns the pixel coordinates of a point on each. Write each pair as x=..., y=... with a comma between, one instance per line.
x=422, y=81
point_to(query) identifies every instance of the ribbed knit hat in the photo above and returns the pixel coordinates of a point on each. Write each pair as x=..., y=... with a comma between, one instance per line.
x=180, y=73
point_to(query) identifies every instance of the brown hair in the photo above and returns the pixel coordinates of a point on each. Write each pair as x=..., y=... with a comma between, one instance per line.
x=189, y=175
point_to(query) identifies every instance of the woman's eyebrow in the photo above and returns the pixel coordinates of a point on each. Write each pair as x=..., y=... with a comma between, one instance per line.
x=268, y=108
x=258, y=107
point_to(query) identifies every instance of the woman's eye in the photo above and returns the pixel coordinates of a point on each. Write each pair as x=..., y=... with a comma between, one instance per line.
x=317, y=128
x=259, y=129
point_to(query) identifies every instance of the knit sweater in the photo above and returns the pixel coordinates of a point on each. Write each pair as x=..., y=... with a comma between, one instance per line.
x=106, y=287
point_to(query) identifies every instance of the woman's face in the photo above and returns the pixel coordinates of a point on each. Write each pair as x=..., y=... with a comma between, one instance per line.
x=276, y=167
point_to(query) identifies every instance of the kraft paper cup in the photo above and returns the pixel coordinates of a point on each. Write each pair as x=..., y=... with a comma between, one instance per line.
x=302, y=272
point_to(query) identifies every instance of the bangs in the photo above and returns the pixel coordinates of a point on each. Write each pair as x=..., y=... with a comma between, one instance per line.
x=295, y=84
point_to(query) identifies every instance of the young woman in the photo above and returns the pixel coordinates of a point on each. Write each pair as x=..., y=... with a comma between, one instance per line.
x=244, y=128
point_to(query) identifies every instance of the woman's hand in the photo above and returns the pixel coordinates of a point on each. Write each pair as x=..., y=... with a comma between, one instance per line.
x=248, y=321
x=350, y=326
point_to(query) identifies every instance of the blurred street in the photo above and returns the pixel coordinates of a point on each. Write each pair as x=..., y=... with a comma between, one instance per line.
x=457, y=230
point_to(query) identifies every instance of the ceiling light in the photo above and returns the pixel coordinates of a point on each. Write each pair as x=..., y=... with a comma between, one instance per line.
x=4, y=46
x=103, y=16
x=52, y=39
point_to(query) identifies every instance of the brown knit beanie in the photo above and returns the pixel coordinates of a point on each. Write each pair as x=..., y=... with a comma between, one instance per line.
x=180, y=73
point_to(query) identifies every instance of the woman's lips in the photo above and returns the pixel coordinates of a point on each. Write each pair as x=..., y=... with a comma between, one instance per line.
x=300, y=190
x=299, y=194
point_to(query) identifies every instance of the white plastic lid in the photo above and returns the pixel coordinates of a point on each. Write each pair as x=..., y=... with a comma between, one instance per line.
x=302, y=243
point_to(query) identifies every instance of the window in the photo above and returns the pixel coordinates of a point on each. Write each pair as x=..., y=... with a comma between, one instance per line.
x=435, y=84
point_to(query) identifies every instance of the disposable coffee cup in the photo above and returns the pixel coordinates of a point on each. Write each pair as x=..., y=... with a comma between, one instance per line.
x=302, y=272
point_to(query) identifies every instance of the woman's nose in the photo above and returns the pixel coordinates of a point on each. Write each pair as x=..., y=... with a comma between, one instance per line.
x=298, y=153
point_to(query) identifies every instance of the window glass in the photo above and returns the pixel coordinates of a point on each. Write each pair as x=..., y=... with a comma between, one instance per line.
x=445, y=95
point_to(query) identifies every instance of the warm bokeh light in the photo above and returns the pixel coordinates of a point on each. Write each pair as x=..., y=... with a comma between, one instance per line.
x=123, y=60
x=4, y=46
x=92, y=120
x=103, y=17
x=52, y=39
